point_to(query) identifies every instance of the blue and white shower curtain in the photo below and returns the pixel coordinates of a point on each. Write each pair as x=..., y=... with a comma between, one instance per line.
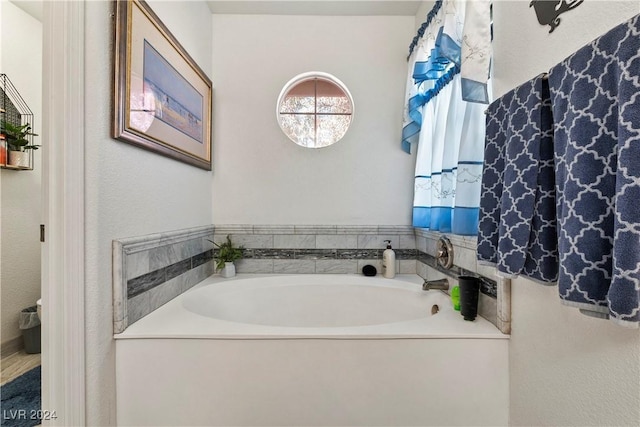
x=448, y=130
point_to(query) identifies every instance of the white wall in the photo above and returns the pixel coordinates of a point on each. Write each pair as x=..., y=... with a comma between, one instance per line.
x=565, y=368
x=129, y=191
x=21, y=51
x=260, y=176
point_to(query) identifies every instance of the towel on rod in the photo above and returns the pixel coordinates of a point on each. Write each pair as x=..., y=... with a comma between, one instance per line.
x=496, y=136
x=595, y=97
x=517, y=209
x=527, y=243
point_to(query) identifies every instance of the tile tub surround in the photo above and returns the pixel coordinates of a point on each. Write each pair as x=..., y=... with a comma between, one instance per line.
x=319, y=249
x=150, y=270
x=494, y=303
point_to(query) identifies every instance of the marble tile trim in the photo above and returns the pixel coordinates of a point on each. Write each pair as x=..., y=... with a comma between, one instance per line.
x=157, y=277
x=141, y=243
x=225, y=229
x=145, y=262
x=504, y=305
x=259, y=253
x=469, y=242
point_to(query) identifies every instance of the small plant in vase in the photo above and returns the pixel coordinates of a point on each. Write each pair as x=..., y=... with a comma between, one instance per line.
x=225, y=257
x=18, y=143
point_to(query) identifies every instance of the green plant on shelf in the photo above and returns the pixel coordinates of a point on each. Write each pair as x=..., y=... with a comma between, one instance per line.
x=16, y=136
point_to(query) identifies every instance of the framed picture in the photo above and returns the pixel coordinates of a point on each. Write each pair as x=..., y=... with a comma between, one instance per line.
x=162, y=98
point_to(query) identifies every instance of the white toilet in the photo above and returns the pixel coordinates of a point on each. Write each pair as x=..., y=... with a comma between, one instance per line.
x=39, y=307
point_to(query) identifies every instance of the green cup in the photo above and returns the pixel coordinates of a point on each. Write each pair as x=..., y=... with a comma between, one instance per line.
x=455, y=297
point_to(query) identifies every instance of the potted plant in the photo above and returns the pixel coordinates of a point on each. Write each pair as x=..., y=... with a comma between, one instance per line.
x=225, y=256
x=18, y=143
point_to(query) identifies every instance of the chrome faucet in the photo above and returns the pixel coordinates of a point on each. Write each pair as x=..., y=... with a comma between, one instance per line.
x=441, y=284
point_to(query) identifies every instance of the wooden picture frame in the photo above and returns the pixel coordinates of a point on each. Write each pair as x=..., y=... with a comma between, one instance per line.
x=162, y=98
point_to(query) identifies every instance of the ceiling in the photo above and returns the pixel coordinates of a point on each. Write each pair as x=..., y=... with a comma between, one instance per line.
x=316, y=7
x=285, y=7
x=32, y=7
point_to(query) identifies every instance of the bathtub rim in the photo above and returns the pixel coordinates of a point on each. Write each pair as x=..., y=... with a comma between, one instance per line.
x=160, y=324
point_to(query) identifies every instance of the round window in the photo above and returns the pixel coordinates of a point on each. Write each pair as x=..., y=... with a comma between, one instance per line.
x=315, y=109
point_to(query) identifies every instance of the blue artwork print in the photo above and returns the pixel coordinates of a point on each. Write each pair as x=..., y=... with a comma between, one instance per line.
x=177, y=103
x=548, y=12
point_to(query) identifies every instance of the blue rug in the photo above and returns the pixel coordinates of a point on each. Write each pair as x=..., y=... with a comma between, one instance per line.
x=21, y=400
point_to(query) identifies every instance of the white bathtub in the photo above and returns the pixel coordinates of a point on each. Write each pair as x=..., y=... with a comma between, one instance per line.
x=311, y=350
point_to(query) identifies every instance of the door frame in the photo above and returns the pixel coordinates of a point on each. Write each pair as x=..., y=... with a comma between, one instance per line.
x=63, y=252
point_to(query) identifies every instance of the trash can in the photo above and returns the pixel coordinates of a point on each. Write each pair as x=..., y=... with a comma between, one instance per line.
x=29, y=323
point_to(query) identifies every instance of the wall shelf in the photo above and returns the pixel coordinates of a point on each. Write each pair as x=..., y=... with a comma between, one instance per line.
x=15, y=111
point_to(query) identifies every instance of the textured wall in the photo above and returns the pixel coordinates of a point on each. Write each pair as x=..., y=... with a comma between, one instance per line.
x=565, y=368
x=261, y=177
x=129, y=191
x=21, y=52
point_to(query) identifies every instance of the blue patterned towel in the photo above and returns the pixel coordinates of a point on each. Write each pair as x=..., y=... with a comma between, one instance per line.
x=517, y=210
x=596, y=109
x=493, y=178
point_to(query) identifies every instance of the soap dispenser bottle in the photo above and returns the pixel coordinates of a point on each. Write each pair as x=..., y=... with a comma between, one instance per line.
x=388, y=262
